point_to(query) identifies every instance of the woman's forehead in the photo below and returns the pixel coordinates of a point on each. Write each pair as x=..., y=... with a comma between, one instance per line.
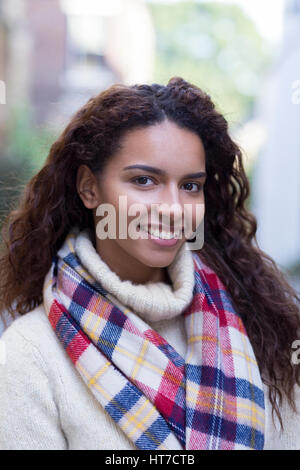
x=164, y=146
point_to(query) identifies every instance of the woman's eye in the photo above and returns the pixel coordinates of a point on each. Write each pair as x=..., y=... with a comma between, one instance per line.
x=147, y=181
x=141, y=180
x=198, y=187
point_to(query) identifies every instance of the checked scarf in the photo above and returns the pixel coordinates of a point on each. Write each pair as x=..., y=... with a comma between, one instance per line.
x=211, y=399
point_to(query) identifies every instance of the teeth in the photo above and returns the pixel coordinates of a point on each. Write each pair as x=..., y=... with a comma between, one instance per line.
x=167, y=235
x=163, y=234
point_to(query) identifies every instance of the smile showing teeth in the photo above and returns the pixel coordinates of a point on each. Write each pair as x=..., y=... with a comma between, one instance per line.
x=164, y=235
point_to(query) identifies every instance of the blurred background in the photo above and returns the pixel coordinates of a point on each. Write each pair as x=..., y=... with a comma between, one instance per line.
x=56, y=54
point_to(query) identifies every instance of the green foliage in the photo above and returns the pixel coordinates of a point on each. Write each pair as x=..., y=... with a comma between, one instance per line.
x=27, y=141
x=215, y=46
x=14, y=174
x=22, y=158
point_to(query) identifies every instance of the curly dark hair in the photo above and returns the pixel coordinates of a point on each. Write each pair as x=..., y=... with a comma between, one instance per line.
x=50, y=206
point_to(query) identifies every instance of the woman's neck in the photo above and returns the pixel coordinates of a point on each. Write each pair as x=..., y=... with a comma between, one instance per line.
x=130, y=269
x=153, y=301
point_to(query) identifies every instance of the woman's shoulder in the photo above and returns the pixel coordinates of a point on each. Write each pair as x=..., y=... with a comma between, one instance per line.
x=30, y=387
x=29, y=325
x=33, y=333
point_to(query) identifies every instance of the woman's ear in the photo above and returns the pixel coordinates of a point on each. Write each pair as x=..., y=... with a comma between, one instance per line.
x=87, y=187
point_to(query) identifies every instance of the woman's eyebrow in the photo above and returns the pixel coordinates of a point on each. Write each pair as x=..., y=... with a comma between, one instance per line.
x=158, y=171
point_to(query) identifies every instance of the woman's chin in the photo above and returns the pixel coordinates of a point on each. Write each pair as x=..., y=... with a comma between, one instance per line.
x=159, y=258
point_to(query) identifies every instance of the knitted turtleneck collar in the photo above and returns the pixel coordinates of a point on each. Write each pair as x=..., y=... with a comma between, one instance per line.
x=153, y=301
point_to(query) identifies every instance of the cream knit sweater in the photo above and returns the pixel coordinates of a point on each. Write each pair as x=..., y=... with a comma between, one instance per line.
x=44, y=404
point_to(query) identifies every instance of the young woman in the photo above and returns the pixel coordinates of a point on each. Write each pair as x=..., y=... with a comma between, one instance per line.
x=147, y=341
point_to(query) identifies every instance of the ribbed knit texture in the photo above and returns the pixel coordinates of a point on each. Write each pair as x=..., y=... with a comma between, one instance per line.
x=44, y=403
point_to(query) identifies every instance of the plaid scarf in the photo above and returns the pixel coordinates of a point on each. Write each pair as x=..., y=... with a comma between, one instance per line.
x=211, y=399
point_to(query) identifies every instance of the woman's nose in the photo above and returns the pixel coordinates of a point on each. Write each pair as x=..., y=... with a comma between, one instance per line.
x=174, y=209
x=171, y=208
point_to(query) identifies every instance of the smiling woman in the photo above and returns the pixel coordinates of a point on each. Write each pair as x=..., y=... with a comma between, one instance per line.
x=153, y=155
x=144, y=342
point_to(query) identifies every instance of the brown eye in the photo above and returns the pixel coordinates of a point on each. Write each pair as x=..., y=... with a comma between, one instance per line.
x=141, y=180
x=198, y=187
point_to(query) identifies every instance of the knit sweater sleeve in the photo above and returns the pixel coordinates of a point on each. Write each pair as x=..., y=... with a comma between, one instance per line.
x=29, y=417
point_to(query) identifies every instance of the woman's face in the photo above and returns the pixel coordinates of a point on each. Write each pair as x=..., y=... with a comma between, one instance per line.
x=152, y=168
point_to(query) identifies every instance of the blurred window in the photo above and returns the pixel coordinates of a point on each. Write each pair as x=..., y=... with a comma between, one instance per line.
x=85, y=40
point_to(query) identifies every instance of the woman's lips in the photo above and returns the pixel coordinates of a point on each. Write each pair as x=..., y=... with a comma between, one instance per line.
x=160, y=241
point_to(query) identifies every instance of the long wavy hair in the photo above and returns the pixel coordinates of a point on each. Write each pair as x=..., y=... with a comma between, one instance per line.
x=50, y=206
